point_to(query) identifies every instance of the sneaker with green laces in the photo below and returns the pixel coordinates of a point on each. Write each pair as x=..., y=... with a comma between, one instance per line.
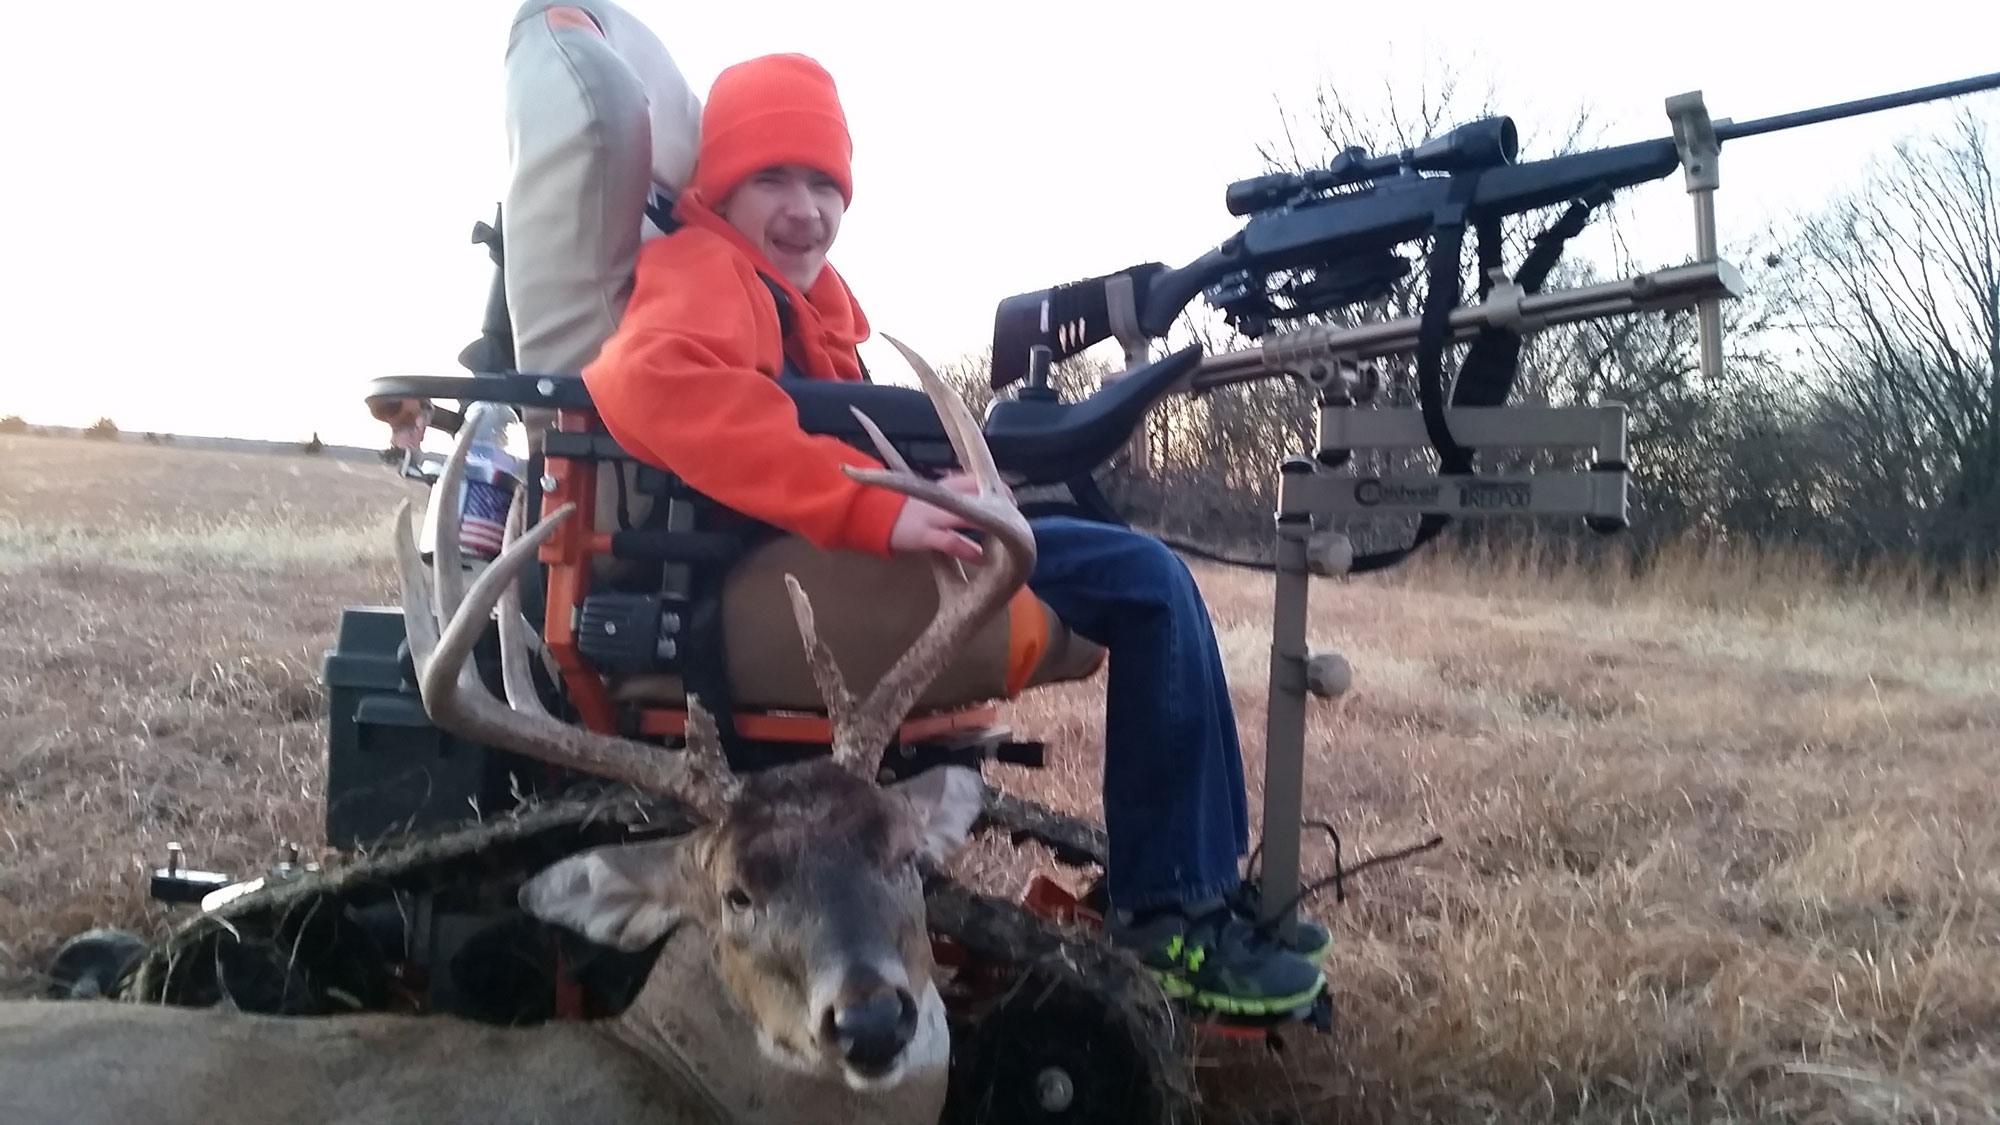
x=1218, y=961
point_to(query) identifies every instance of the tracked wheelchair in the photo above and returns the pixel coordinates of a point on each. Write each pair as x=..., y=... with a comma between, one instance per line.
x=664, y=591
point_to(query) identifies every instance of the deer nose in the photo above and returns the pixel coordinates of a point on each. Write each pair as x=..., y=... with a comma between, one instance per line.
x=872, y=1030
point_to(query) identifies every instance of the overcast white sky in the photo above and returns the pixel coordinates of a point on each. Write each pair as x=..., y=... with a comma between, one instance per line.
x=226, y=218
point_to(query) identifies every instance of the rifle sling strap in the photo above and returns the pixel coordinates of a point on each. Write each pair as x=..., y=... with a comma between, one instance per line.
x=1433, y=329
x=1486, y=378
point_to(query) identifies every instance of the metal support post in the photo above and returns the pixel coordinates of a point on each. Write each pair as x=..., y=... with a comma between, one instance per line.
x=1285, y=721
x=1123, y=308
x=1701, y=153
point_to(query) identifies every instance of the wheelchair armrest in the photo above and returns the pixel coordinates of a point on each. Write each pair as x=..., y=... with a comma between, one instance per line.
x=1039, y=441
x=1036, y=440
x=545, y=391
x=1053, y=442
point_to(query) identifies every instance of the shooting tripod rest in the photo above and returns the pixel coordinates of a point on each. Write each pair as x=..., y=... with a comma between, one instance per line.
x=1318, y=490
x=1340, y=225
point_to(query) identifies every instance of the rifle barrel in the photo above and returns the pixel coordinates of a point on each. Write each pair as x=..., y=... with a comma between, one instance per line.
x=1397, y=210
x=1857, y=107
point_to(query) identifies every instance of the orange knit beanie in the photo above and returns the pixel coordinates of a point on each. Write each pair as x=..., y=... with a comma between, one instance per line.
x=776, y=109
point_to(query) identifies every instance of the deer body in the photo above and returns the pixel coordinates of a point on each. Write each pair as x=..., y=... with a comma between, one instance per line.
x=682, y=1054
x=180, y=1067
x=796, y=982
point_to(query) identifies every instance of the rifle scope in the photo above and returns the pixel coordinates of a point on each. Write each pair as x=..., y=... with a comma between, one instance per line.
x=1485, y=143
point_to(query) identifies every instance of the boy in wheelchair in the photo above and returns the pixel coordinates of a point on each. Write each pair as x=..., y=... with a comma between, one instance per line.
x=687, y=382
x=739, y=295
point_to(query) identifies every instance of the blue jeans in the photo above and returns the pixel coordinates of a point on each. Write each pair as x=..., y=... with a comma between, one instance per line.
x=1174, y=802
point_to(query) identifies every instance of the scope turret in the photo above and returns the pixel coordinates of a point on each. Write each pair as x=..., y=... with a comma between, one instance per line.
x=1261, y=193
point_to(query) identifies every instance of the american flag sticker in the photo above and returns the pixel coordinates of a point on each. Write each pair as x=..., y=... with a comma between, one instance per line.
x=484, y=519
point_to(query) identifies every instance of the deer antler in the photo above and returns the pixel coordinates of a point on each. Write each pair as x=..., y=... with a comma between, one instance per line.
x=861, y=729
x=444, y=621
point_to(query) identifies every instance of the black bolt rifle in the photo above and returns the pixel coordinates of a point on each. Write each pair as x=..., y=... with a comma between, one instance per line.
x=1343, y=221
x=1320, y=239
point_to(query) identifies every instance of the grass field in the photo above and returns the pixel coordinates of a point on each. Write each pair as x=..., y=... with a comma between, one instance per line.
x=1719, y=841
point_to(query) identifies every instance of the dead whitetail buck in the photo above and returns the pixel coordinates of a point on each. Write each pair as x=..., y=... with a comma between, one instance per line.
x=807, y=994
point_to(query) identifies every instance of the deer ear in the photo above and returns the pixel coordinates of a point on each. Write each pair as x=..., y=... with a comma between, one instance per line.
x=626, y=896
x=945, y=800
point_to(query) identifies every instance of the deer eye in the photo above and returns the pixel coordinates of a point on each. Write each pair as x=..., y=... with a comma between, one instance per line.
x=737, y=898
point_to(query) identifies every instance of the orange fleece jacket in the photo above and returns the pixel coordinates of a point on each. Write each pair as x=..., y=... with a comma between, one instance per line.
x=688, y=382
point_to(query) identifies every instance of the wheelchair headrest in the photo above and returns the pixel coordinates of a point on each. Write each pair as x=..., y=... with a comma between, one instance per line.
x=599, y=120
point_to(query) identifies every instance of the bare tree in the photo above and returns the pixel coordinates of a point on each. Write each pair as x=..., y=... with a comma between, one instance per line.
x=1687, y=428
x=1897, y=291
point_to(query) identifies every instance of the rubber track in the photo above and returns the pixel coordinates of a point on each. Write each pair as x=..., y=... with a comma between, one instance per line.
x=1075, y=842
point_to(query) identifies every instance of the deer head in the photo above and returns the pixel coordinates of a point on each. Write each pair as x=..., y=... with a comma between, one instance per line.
x=807, y=878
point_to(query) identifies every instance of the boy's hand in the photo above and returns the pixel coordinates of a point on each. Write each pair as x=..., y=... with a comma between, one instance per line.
x=926, y=527
x=923, y=526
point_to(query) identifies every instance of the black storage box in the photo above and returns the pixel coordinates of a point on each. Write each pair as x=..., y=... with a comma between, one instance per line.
x=390, y=773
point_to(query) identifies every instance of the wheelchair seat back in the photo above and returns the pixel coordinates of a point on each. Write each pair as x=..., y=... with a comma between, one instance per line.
x=602, y=133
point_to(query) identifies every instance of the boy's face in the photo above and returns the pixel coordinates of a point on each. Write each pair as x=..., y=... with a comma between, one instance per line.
x=792, y=214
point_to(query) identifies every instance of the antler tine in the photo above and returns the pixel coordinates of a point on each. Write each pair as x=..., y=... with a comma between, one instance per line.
x=891, y=456
x=703, y=756
x=420, y=616
x=841, y=706
x=967, y=440
x=457, y=699
x=992, y=510
x=946, y=570
x=704, y=744
x=449, y=582
x=515, y=674
x=862, y=730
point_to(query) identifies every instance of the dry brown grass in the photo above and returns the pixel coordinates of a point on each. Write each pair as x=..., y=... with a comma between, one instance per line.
x=164, y=614
x=1720, y=839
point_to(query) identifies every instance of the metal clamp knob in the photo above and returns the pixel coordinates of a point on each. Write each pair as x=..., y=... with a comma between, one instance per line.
x=1328, y=674
x=1330, y=554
